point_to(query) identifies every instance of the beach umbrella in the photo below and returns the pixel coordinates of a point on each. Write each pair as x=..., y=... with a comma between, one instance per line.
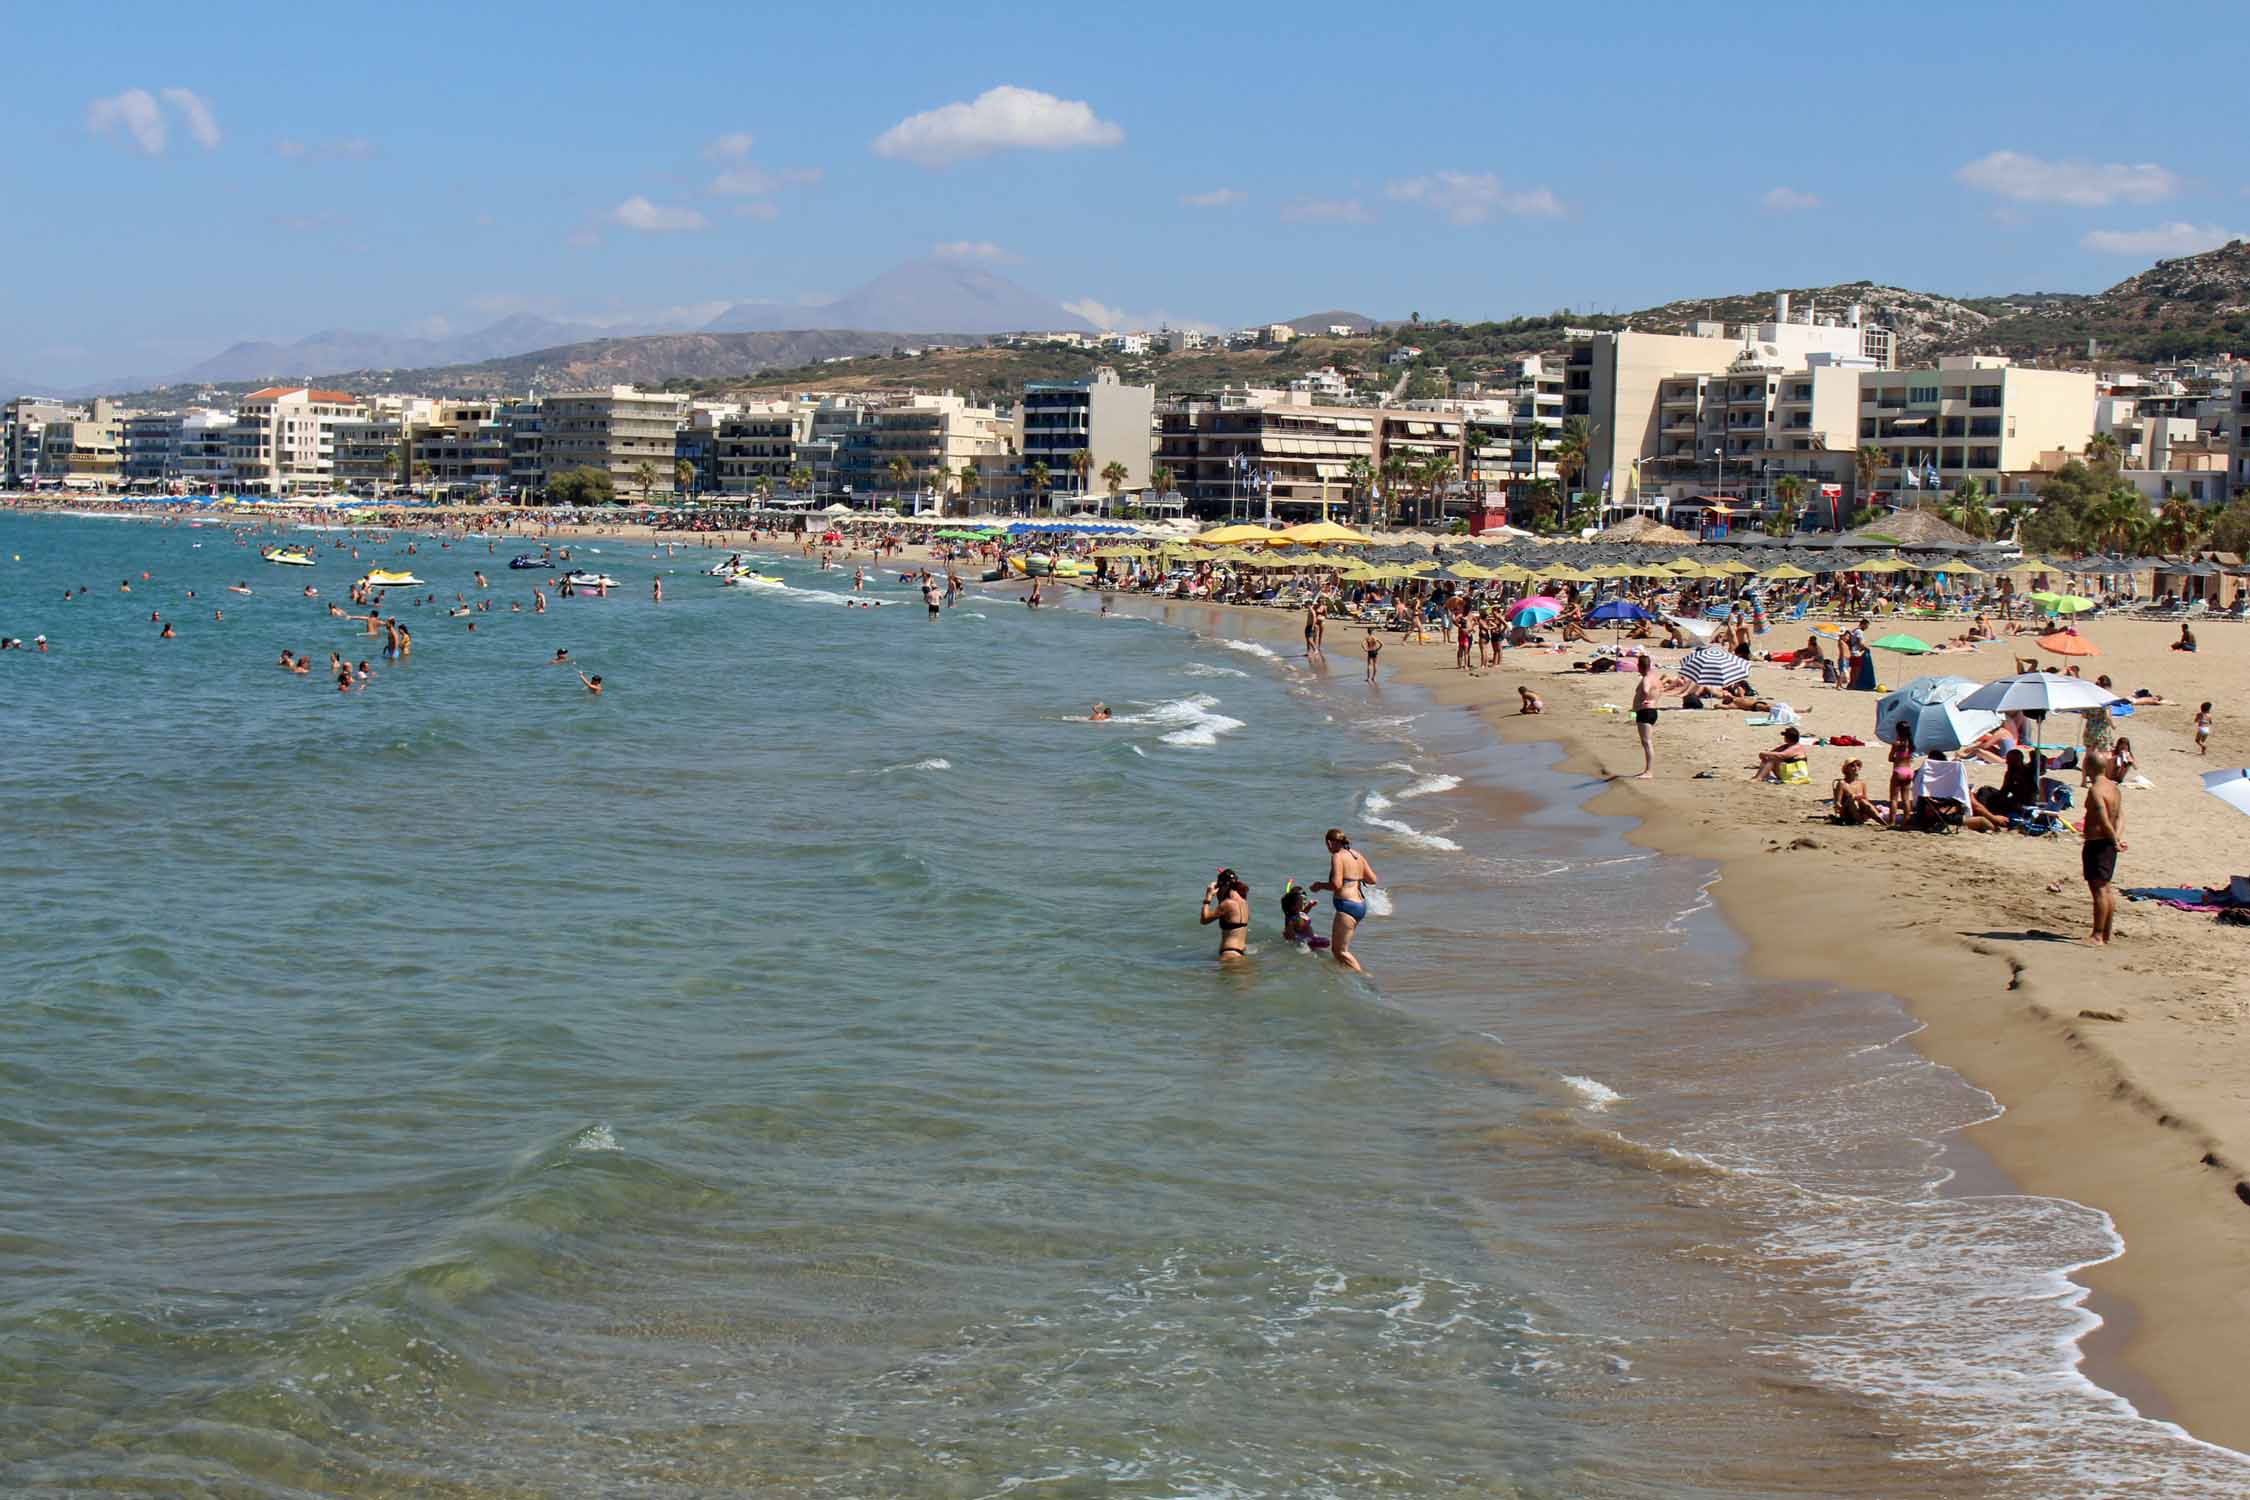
x=1714, y=666
x=1467, y=570
x=1785, y=571
x=1616, y=612
x=2230, y=787
x=2039, y=693
x=1733, y=565
x=2063, y=643
x=2060, y=604
x=1227, y=536
x=1536, y=610
x=1910, y=645
x=1322, y=534
x=1931, y=706
x=1699, y=631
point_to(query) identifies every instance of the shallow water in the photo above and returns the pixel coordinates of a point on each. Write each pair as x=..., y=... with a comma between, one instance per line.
x=799, y=1072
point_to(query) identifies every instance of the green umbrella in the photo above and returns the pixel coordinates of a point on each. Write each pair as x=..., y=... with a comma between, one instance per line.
x=1908, y=644
x=2061, y=604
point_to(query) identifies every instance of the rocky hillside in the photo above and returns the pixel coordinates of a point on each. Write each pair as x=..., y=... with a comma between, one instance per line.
x=1926, y=323
x=2196, y=305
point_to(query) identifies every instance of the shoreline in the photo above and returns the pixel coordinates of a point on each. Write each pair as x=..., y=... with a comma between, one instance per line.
x=2075, y=1119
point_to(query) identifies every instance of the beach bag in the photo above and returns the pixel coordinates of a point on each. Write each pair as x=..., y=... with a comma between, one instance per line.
x=1795, y=772
x=2053, y=795
x=1781, y=715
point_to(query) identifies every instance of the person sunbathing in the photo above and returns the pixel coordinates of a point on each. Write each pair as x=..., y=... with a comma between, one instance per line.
x=1851, y=802
x=1740, y=696
x=2017, y=792
x=1771, y=763
x=1991, y=748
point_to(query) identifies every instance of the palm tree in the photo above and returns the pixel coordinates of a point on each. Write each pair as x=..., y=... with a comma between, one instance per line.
x=969, y=480
x=2178, y=525
x=898, y=471
x=1867, y=466
x=391, y=463
x=764, y=488
x=1437, y=473
x=1573, y=449
x=644, y=475
x=421, y=472
x=1041, y=481
x=1396, y=467
x=2118, y=520
x=1114, y=474
x=1080, y=462
x=1542, y=503
x=2105, y=452
x=1359, y=479
x=936, y=481
x=800, y=479
x=1160, y=480
x=683, y=477
x=1789, y=490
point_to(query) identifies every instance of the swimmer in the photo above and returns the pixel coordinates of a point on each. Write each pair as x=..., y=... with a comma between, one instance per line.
x=560, y=658
x=1296, y=918
x=1100, y=715
x=593, y=684
x=166, y=633
x=1226, y=901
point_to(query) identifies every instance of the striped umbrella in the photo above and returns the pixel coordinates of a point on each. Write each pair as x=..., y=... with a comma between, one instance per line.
x=1714, y=666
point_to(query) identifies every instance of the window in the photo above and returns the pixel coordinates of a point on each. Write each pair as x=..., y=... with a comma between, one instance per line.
x=1922, y=395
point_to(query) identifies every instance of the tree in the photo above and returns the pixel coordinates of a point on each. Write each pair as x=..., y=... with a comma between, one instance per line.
x=1396, y=468
x=1542, y=504
x=1114, y=475
x=2104, y=451
x=1436, y=473
x=1789, y=491
x=644, y=475
x=421, y=473
x=582, y=486
x=1573, y=449
x=1359, y=481
x=683, y=477
x=970, y=478
x=391, y=465
x=800, y=479
x=1867, y=466
x=2178, y=525
x=898, y=471
x=1041, y=481
x=1080, y=462
x=764, y=488
x=1160, y=480
x=2230, y=529
x=936, y=482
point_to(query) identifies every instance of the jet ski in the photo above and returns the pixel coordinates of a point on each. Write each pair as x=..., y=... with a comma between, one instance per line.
x=526, y=560
x=382, y=579
x=291, y=557
x=589, y=580
x=750, y=580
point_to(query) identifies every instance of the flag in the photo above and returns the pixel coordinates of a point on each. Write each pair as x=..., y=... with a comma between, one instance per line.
x=1912, y=478
x=1929, y=475
x=1606, y=475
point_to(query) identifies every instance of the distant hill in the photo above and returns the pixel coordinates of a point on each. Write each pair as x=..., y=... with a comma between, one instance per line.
x=921, y=296
x=340, y=349
x=1321, y=322
x=2176, y=309
x=1926, y=323
x=652, y=361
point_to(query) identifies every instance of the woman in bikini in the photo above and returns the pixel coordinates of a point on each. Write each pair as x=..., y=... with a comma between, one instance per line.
x=1226, y=901
x=1349, y=876
x=1902, y=772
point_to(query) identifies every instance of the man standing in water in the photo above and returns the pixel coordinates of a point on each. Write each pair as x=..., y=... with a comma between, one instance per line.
x=1349, y=876
x=1646, y=689
x=930, y=593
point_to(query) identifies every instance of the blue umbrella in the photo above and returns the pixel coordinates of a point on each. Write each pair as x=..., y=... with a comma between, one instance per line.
x=1617, y=611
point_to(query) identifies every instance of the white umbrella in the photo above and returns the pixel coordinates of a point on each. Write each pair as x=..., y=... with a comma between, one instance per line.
x=1699, y=631
x=2038, y=693
x=1714, y=666
x=2230, y=787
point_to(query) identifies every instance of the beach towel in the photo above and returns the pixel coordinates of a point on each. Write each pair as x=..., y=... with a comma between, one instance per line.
x=1863, y=673
x=1795, y=773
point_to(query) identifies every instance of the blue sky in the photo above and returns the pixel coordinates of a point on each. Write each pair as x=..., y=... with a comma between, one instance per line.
x=190, y=176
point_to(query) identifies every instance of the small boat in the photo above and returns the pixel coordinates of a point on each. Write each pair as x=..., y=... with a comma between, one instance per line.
x=589, y=580
x=382, y=578
x=755, y=581
x=526, y=560
x=290, y=557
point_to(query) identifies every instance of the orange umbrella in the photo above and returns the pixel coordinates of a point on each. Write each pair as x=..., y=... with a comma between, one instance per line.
x=2063, y=643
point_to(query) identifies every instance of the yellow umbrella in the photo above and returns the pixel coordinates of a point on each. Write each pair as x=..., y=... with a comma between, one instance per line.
x=1469, y=570
x=1785, y=570
x=1879, y=565
x=1236, y=535
x=1733, y=565
x=1955, y=567
x=1567, y=575
x=1322, y=534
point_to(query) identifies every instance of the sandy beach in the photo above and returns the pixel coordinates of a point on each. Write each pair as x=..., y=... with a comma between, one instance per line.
x=2147, y=1116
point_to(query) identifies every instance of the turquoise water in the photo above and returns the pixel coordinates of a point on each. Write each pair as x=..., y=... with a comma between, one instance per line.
x=799, y=1071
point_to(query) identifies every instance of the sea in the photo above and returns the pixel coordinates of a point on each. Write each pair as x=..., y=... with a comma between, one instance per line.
x=799, y=1071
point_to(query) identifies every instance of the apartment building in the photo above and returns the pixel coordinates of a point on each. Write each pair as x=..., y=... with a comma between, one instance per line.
x=86, y=450
x=524, y=421
x=369, y=454
x=1105, y=420
x=925, y=435
x=758, y=446
x=1617, y=383
x=1975, y=416
x=24, y=421
x=1228, y=451
x=284, y=438
x=626, y=433
x=152, y=442
x=205, y=465
x=461, y=448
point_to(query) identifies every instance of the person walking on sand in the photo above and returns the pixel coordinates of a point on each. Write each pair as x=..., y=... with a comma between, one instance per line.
x=1312, y=627
x=1647, y=688
x=1349, y=876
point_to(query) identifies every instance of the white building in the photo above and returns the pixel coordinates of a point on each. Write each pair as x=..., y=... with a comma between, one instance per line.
x=284, y=438
x=204, y=464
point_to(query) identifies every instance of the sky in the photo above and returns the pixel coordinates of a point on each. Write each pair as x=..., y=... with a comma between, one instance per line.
x=203, y=176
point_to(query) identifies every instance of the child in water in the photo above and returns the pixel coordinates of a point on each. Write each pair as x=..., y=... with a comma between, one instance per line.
x=1296, y=917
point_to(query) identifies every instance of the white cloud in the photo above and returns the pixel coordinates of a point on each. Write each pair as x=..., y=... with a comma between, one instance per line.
x=132, y=118
x=638, y=213
x=2175, y=238
x=195, y=111
x=1473, y=197
x=1326, y=211
x=735, y=147
x=1787, y=200
x=1216, y=198
x=999, y=119
x=136, y=121
x=2082, y=184
x=1106, y=317
x=983, y=250
x=748, y=181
